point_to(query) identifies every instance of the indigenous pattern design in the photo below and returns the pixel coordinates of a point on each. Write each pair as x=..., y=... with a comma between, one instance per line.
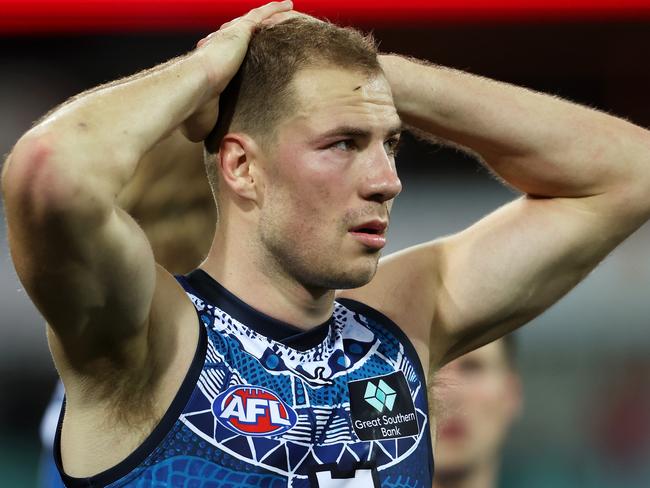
x=263, y=414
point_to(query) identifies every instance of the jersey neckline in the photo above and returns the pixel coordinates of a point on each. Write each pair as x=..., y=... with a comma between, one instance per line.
x=289, y=335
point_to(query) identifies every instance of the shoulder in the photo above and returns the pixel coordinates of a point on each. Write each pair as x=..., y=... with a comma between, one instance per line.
x=380, y=326
x=404, y=281
x=404, y=290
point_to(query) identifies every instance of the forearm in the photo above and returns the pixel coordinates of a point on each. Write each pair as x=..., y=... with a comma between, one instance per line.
x=170, y=199
x=540, y=144
x=91, y=146
x=163, y=173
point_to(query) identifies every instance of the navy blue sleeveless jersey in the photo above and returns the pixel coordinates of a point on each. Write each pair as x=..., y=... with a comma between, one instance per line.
x=265, y=404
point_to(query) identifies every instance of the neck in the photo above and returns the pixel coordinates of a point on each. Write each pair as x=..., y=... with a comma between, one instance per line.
x=483, y=475
x=239, y=269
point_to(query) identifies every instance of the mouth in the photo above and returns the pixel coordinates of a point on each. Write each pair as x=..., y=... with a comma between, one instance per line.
x=371, y=234
x=452, y=430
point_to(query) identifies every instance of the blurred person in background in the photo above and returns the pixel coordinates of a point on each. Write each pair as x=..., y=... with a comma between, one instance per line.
x=618, y=418
x=170, y=198
x=477, y=397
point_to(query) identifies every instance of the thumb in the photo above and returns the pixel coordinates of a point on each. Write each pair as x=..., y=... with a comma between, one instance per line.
x=197, y=127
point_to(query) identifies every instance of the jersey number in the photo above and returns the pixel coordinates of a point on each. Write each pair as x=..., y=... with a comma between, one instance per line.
x=329, y=477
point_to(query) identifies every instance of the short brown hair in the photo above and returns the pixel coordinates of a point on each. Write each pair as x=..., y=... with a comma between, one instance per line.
x=259, y=95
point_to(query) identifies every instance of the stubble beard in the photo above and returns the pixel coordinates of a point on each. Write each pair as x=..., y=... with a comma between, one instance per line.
x=314, y=269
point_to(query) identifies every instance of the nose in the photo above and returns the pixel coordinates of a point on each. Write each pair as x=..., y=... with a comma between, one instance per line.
x=381, y=182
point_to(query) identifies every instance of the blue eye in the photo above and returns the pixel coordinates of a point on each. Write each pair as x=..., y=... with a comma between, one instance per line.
x=344, y=145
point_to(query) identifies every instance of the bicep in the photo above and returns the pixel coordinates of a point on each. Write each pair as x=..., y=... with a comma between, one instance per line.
x=92, y=278
x=516, y=262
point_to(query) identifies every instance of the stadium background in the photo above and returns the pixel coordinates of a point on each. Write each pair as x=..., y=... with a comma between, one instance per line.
x=585, y=363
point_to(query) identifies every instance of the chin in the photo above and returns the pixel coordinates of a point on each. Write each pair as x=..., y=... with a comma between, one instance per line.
x=351, y=284
x=336, y=277
x=356, y=278
x=453, y=458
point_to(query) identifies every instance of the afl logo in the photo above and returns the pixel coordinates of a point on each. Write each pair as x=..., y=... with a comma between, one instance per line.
x=254, y=411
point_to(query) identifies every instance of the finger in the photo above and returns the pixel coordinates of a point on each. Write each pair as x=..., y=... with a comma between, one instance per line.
x=254, y=17
x=282, y=16
x=202, y=41
x=206, y=39
x=279, y=17
x=265, y=11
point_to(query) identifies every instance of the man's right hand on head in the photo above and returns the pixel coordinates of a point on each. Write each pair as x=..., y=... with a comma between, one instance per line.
x=222, y=53
x=96, y=281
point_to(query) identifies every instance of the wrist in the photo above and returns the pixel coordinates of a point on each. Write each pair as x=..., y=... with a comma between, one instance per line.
x=199, y=64
x=395, y=71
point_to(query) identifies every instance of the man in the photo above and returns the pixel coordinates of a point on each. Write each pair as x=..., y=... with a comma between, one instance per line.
x=281, y=385
x=478, y=396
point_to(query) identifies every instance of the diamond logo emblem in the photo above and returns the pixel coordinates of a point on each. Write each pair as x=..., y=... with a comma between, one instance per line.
x=380, y=396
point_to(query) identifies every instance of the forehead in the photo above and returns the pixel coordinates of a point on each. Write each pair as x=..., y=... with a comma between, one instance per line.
x=328, y=97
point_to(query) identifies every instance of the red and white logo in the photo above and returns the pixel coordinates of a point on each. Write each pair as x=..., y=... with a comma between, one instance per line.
x=254, y=411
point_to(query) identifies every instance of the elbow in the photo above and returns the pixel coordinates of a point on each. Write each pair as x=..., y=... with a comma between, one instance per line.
x=635, y=195
x=644, y=183
x=28, y=169
x=626, y=183
x=36, y=183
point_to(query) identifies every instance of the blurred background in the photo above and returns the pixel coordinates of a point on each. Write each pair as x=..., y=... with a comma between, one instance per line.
x=585, y=363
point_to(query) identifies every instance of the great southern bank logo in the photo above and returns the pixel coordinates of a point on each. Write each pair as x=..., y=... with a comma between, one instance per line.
x=253, y=411
x=380, y=396
x=382, y=407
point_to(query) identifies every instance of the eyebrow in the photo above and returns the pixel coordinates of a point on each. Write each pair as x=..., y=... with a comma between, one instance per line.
x=352, y=131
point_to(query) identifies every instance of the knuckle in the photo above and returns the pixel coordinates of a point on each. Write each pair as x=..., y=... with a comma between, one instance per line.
x=228, y=35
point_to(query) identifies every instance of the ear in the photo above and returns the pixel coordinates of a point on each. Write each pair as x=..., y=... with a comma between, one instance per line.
x=238, y=155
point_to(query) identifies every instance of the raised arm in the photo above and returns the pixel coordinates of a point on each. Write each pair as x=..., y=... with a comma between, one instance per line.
x=84, y=262
x=585, y=180
x=170, y=198
x=540, y=144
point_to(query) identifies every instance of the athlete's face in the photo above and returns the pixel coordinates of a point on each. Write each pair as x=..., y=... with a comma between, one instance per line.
x=480, y=396
x=331, y=179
